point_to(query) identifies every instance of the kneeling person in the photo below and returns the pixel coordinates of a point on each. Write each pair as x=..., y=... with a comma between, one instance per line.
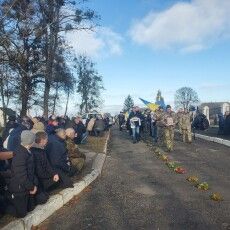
x=23, y=185
x=47, y=177
x=76, y=157
x=58, y=157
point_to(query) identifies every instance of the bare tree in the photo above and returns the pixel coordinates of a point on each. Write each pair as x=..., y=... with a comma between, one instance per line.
x=20, y=46
x=186, y=97
x=59, y=16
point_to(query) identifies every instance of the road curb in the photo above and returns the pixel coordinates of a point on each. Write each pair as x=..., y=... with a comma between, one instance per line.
x=55, y=202
x=214, y=139
x=211, y=139
x=107, y=142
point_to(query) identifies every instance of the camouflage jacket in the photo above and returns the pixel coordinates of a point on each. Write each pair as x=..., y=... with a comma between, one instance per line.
x=179, y=117
x=159, y=118
x=169, y=116
x=73, y=150
x=186, y=121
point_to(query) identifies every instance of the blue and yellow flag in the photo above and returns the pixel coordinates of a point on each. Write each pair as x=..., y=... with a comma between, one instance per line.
x=150, y=105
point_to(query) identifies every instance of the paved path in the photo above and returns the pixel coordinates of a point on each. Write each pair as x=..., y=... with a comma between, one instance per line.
x=213, y=132
x=137, y=191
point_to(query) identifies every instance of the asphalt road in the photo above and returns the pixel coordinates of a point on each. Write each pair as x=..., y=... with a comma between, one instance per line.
x=137, y=191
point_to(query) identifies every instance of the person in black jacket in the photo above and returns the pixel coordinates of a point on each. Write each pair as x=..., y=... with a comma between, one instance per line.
x=47, y=177
x=11, y=124
x=121, y=120
x=227, y=123
x=99, y=126
x=15, y=134
x=58, y=156
x=23, y=184
x=80, y=130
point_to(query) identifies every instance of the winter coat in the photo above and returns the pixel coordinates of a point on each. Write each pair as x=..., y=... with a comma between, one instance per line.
x=169, y=119
x=14, y=139
x=159, y=118
x=121, y=118
x=10, y=125
x=200, y=122
x=23, y=177
x=73, y=150
x=99, y=125
x=57, y=153
x=227, y=125
x=50, y=129
x=80, y=129
x=135, y=119
x=90, y=124
x=43, y=169
x=186, y=121
x=179, y=118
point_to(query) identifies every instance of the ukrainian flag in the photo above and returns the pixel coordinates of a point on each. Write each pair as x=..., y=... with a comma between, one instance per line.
x=150, y=105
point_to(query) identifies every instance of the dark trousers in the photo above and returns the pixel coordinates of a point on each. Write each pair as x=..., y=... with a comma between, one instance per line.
x=154, y=133
x=48, y=184
x=21, y=203
x=120, y=125
x=65, y=180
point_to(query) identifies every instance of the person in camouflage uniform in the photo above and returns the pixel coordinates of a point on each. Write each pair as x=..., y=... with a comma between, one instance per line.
x=169, y=121
x=76, y=157
x=160, y=126
x=186, y=126
x=179, y=119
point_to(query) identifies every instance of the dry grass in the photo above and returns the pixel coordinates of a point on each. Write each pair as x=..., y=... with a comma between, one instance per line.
x=96, y=144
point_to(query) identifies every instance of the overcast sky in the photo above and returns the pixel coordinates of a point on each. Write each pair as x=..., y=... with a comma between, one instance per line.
x=146, y=45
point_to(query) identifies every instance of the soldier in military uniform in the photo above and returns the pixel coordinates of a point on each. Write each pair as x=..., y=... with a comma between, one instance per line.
x=77, y=158
x=160, y=127
x=169, y=121
x=179, y=119
x=186, y=126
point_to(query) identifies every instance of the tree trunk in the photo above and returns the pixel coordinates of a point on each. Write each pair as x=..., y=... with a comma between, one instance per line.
x=86, y=106
x=46, y=99
x=55, y=99
x=52, y=44
x=67, y=103
x=25, y=99
x=3, y=102
x=24, y=95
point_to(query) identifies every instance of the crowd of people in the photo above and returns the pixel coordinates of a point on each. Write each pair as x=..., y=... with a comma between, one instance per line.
x=160, y=125
x=39, y=155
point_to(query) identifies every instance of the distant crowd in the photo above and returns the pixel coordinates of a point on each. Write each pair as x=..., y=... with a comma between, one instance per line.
x=161, y=124
x=39, y=155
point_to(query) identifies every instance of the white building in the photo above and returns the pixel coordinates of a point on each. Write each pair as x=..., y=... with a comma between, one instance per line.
x=212, y=109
